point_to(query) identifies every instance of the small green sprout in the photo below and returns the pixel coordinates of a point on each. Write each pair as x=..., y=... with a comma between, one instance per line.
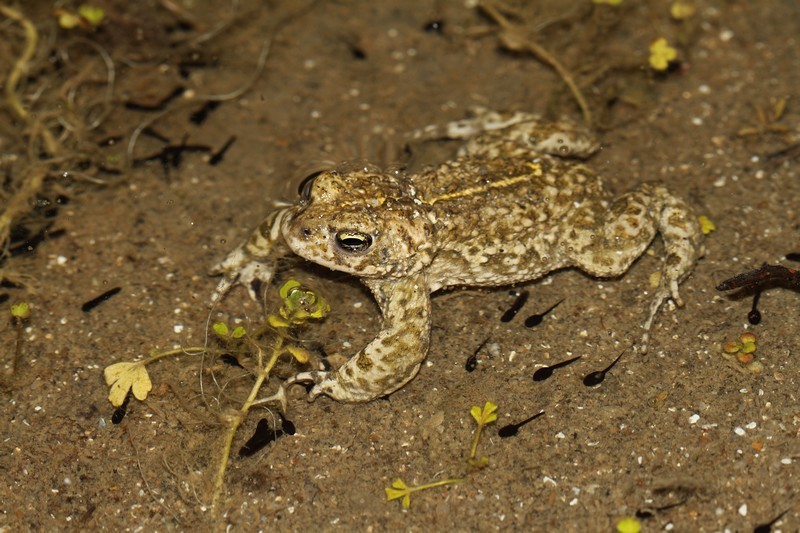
x=299, y=304
x=743, y=350
x=88, y=17
x=21, y=311
x=661, y=53
x=400, y=490
x=262, y=348
x=483, y=417
x=221, y=329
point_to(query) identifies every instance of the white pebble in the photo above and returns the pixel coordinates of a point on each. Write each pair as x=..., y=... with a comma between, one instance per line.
x=743, y=509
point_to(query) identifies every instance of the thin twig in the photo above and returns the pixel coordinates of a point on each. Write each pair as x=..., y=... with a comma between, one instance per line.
x=515, y=38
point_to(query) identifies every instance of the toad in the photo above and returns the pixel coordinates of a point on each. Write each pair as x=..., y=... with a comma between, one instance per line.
x=514, y=205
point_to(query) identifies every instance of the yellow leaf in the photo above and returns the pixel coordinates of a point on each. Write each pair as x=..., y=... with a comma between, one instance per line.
x=407, y=501
x=661, y=53
x=123, y=377
x=299, y=353
x=68, y=20
x=706, y=226
x=476, y=413
x=398, y=490
x=609, y=2
x=489, y=413
x=681, y=10
x=277, y=322
x=238, y=332
x=629, y=525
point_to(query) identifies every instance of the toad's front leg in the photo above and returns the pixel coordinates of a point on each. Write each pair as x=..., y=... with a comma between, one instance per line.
x=394, y=356
x=254, y=259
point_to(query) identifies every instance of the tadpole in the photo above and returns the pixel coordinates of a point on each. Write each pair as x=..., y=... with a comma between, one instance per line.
x=288, y=426
x=535, y=320
x=472, y=360
x=263, y=435
x=547, y=371
x=512, y=429
x=121, y=411
x=598, y=376
x=509, y=315
x=766, y=528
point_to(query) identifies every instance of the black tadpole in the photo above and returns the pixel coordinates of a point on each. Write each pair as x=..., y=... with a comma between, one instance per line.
x=263, y=435
x=535, y=320
x=793, y=256
x=288, y=426
x=121, y=411
x=766, y=528
x=509, y=315
x=597, y=377
x=94, y=302
x=512, y=429
x=754, y=316
x=547, y=371
x=472, y=360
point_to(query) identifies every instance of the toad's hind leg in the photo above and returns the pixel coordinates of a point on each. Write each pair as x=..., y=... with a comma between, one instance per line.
x=626, y=229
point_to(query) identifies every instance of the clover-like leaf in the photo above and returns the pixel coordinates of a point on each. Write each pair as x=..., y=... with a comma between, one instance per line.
x=484, y=416
x=238, y=332
x=21, y=310
x=399, y=490
x=124, y=377
x=661, y=53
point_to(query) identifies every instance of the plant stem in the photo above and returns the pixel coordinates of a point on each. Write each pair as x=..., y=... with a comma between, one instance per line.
x=450, y=481
x=235, y=420
x=474, y=449
x=192, y=350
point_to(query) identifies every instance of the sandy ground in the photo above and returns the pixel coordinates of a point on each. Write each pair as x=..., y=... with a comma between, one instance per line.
x=682, y=438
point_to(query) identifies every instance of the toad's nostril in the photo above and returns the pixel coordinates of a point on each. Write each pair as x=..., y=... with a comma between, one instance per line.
x=306, y=233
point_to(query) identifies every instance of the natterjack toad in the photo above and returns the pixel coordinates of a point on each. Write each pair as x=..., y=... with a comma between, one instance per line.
x=513, y=206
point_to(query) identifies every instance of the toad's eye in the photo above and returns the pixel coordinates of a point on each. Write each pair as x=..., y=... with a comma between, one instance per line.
x=304, y=190
x=353, y=241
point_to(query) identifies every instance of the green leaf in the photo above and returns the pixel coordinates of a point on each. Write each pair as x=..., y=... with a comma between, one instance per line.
x=221, y=329
x=21, y=310
x=93, y=15
x=238, y=332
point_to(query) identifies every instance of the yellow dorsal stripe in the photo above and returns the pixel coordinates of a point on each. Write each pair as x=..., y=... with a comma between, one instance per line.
x=536, y=171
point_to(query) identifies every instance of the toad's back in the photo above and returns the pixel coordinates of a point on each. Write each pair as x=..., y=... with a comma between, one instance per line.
x=500, y=221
